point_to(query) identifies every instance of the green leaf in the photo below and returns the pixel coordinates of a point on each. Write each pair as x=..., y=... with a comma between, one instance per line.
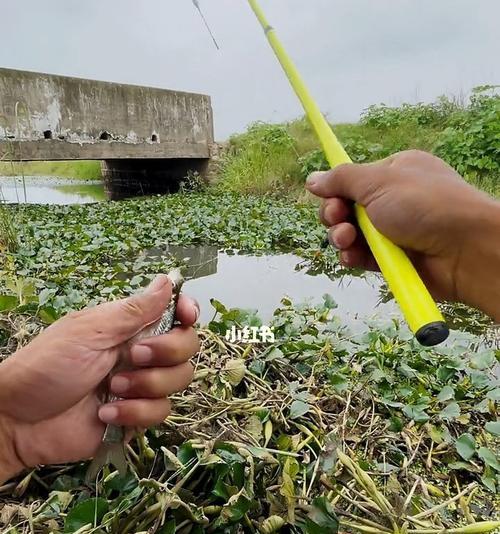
x=88, y=512
x=435, y=434
x=489, y=480
x=489, y=458
x=48, y=314
x=186, y=454
x=483, y=360
x=447, y=393
x=298, y=409
x=8, y=302
x=168, y=528
x=466, y=446
x=321, y=518
x=396, y=424
x=339, y=382
x=122, y=483
x=234, y=510
x=416, y=412
x=57, y=503
x=218, y=306
x=494, y=395
x=45, y=295
x=450, y=412
x=493, y=428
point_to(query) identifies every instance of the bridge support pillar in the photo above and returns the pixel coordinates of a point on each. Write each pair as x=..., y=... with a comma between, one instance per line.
x=124, y=178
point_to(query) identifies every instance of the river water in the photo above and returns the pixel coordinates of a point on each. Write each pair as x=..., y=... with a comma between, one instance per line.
x=250, y=282
x=47, y=190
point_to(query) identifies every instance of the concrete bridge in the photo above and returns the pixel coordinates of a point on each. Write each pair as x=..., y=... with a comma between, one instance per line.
x=147, y=139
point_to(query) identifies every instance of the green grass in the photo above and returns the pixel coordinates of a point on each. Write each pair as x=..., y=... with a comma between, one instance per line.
x=278, y=157
x=78, y=170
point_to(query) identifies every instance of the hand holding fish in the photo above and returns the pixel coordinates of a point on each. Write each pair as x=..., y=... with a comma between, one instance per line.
x=50, y=398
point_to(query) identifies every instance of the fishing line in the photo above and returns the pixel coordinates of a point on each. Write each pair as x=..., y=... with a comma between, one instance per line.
x=197, y=6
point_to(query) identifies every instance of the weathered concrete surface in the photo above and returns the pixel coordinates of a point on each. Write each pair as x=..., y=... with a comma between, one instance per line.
x=45, y=117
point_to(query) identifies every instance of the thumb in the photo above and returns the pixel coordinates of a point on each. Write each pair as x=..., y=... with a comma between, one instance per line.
x=121, y=320
x=350, y=181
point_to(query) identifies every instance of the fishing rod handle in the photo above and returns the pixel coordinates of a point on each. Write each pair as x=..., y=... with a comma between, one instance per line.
x=416, y=303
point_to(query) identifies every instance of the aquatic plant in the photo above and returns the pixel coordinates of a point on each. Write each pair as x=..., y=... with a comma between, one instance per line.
x=322, y=431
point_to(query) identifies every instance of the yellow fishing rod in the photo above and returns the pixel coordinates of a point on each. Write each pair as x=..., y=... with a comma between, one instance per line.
x=414, y=299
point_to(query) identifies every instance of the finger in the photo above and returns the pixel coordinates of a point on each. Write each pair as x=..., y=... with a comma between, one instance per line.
x=351, y=181
x=112, y=323
x=335, y=210
x=136, y=412
x=174, y=348
x=343, y=235
x=155, y=382
x=188, y=310
x=359, y=256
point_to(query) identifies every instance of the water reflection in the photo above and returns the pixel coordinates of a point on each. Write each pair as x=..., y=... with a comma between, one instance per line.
x=260, y=282
x=46, y=190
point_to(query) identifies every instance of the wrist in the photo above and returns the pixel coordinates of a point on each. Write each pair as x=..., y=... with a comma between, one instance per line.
x=10, y=464
x=478, y=278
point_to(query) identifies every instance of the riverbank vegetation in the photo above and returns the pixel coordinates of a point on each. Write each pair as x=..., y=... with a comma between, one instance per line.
x=279, y=157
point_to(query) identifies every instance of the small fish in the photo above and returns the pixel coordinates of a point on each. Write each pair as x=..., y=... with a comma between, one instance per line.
x=112, y=449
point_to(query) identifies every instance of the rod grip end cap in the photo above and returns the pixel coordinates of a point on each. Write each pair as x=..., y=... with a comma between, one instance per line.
x=433, y=334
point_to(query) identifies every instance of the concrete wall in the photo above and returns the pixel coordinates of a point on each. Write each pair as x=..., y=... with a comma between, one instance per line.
x=125, y=178
x=45, y=117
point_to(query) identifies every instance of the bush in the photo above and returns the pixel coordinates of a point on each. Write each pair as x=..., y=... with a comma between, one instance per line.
x=359, y=149
x=279, y=157
x=435, y=114
x=312, y=162
x=471, y=143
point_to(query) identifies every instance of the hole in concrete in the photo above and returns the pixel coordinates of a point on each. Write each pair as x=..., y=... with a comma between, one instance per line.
x=154, y=138
x=47, y=134
x=61, y=137
x=105, y=136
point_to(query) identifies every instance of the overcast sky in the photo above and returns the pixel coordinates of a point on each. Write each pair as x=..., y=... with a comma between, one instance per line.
x=352, y=53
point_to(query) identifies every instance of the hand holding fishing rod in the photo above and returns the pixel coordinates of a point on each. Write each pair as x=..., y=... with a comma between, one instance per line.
x=421, y=312
x=450, y=243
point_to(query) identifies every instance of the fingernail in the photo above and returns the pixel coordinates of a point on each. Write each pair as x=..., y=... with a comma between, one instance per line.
x=157, y=284
x=119, y=384
x=141, y=354
x=108, y=414
x=314, y=178
x=197, y=311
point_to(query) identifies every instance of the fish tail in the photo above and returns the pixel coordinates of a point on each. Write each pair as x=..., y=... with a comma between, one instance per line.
x=108, y=454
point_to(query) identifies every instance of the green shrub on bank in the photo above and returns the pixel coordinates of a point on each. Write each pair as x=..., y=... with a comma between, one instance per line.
x=471, y=142
x=277, y=157
x=435, y=114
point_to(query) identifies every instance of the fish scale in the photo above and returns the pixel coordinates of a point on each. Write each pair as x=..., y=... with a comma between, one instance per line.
x=112, y=449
